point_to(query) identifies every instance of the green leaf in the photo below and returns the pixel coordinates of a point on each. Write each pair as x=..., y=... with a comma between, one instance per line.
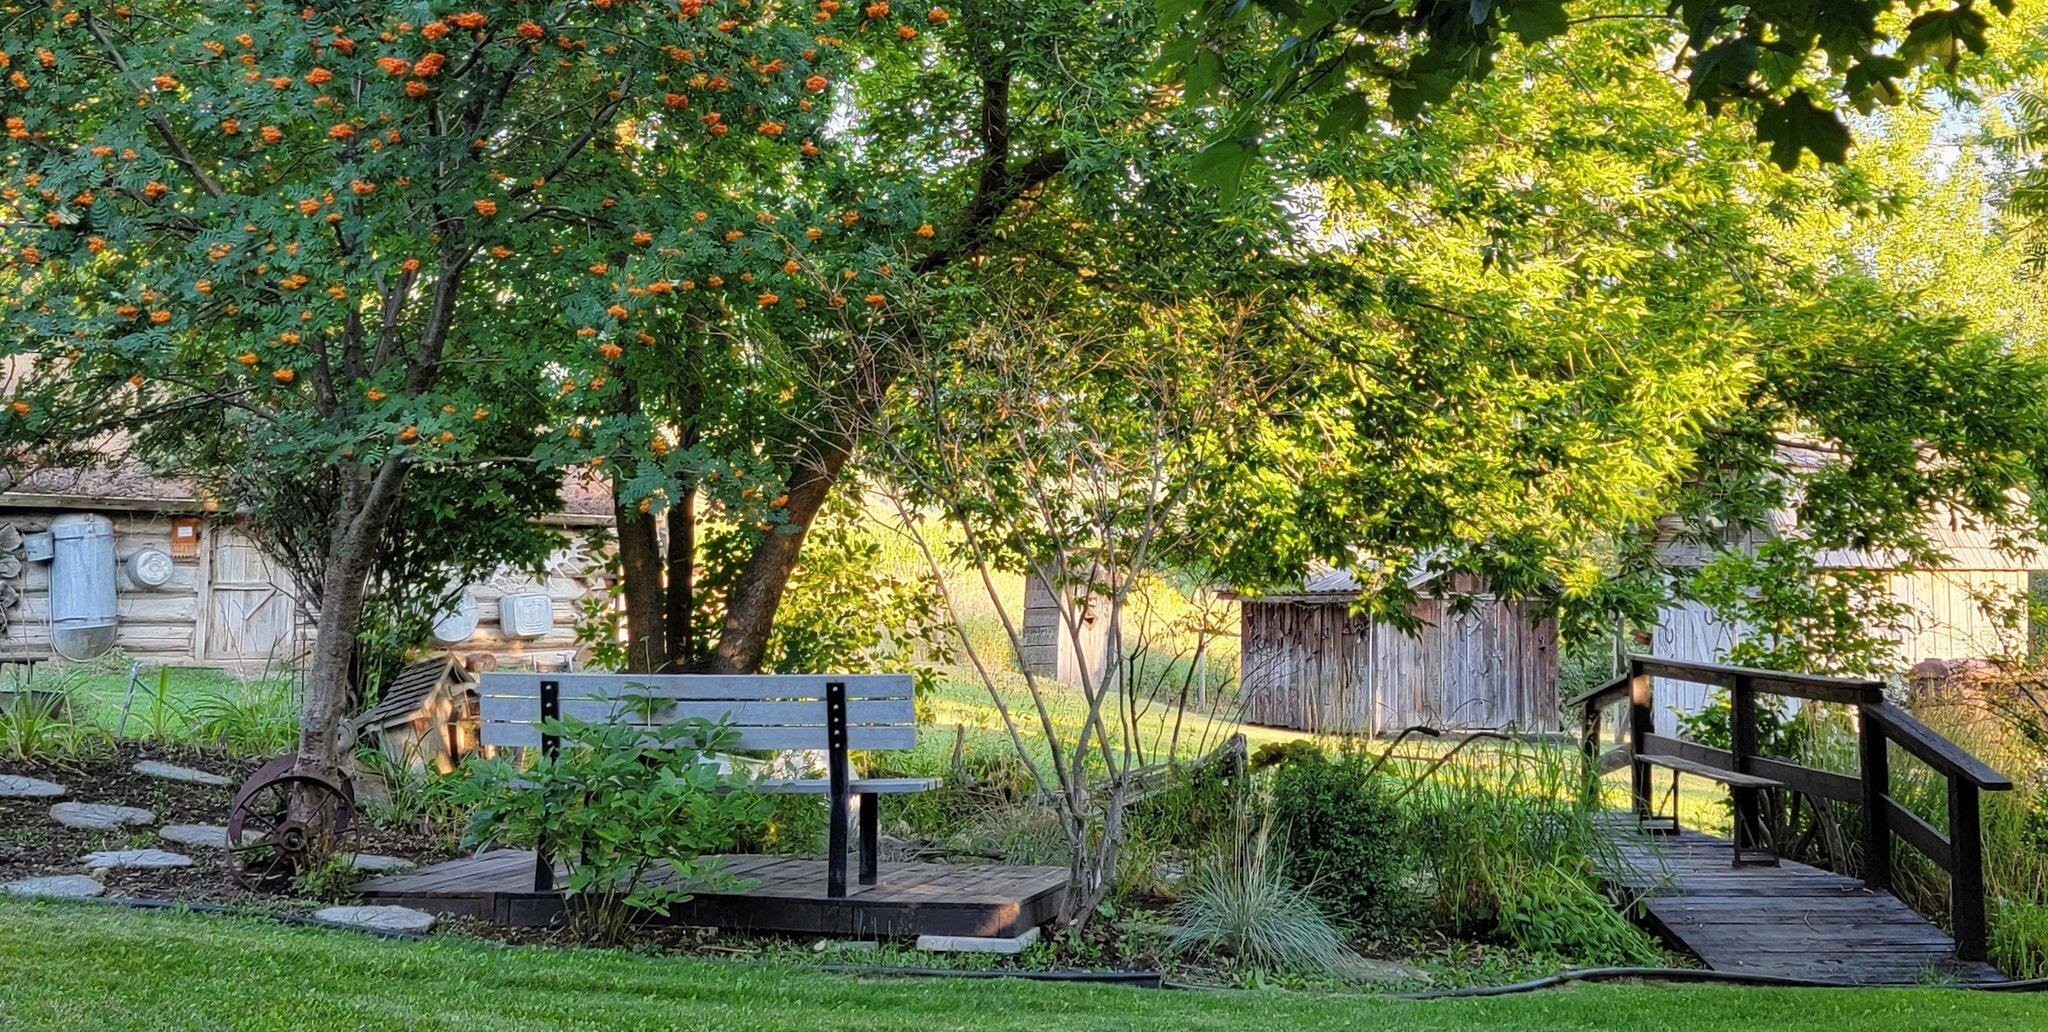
x=1533, y=21
x=1795, y=124
x=1943, y=36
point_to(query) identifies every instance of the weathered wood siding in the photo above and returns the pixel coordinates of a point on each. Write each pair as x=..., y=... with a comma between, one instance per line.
x=1049, y=641
x=155, y=624
x=229, y=605
x=1315, y=666
x=1950, y=619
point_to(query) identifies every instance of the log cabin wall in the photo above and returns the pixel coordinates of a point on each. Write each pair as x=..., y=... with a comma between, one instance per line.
x=158, y=625
x=1312, y=665
x=228, y=605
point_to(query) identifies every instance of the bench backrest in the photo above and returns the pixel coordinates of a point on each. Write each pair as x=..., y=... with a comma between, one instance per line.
x=770, y=711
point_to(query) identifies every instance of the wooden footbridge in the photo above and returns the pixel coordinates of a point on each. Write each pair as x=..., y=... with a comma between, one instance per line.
x=1736, y=903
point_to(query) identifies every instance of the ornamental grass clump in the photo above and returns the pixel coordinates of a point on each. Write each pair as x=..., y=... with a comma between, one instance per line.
x=1239, y=902
x=637, y=813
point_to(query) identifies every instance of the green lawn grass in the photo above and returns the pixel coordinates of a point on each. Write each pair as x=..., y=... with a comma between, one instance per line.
x=84, y=967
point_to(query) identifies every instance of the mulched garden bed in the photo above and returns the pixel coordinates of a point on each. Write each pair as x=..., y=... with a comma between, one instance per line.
x=33, y=844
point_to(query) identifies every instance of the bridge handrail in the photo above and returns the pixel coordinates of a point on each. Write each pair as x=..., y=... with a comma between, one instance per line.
x=1879, y=723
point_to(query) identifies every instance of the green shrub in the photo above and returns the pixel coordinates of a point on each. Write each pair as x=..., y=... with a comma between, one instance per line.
x=1556, y=911
x=1345, y=837
x=633, y=812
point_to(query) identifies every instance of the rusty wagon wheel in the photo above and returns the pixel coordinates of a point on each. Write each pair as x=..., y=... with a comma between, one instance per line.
x=283, y=823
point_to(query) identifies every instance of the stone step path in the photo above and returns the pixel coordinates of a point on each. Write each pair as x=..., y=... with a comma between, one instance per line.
x=380, y=918
x=135, y=859
x=59, y=886
x=100, y=816
x=173, y=772
x=16, y=786
x=202, y=836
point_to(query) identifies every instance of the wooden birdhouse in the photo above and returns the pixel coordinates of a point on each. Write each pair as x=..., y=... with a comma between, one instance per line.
x=426, y=717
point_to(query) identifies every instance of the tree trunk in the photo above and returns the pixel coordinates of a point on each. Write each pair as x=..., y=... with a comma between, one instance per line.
x=756, y=594
x=682, y=580
x=344, y=578
x=640, y=563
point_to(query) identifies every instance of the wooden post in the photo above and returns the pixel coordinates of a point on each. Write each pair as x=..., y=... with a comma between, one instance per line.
x=870, y=838
x=1640, y=723
x=1742, y=745
x=1589, y=729
x=1875, y=763
x=1966, y=869
x=838, y=776
x=550, y=746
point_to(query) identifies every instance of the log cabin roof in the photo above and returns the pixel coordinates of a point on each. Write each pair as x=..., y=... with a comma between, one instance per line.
x=586, y=499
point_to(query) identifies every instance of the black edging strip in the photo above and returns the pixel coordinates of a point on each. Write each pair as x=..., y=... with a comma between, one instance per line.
x=1141, y=979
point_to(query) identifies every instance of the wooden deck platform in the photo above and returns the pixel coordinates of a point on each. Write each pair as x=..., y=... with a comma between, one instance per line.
x=1792, y=920
x=783, y=894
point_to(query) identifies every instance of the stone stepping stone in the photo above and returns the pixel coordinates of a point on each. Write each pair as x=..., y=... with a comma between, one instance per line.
x=371, y=863
x=377, y=918
x=100, y=816
x=59, y=886
x=15, y=786
x=978, y=943
x=138, y=859
x=204, y=836
x=173, y=772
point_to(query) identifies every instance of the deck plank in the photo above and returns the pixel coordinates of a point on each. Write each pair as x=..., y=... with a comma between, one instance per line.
x=1791, y=920
x=778, y=894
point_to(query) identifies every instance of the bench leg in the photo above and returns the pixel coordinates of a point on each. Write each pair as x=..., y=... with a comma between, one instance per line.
x=543, y=871
x=870, y=838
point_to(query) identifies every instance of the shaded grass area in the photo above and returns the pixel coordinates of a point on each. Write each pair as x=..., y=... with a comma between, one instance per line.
x=82, y=967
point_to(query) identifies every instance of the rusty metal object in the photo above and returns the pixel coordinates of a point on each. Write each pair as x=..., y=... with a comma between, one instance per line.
x=284, y=823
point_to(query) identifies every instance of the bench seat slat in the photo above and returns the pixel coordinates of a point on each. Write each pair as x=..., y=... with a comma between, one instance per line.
x=1733, y=779
x=878, y=786
x=701, y=687
x=518, y=735
x=744, y=714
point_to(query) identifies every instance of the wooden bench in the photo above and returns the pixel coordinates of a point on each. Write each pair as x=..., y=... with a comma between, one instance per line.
x=1735, y=780
x=836, y=713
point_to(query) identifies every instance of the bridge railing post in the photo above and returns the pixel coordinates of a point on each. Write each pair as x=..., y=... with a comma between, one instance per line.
x=1875, y=770
x=1742, y=746
x=1966, y=870
x=1641, y=721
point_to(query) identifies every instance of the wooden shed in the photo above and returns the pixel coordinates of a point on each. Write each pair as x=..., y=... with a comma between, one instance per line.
x=1308, y=662
x=191, y=587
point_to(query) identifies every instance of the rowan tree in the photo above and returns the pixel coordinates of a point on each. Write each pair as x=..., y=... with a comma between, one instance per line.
x=365, y=241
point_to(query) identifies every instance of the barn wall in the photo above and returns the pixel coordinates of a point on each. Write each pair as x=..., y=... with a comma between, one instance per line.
x=1949, y=621
x=1317, y=667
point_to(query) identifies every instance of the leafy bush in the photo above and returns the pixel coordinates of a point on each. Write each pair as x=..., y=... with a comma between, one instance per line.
x=632, y=811
x=1556, y=911
x=1344, y=835
x=1238, y=901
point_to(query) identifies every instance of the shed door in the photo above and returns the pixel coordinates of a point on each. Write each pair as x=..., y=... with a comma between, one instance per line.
x=250, y=615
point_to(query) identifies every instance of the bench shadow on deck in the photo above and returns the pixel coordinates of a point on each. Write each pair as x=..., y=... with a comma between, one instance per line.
x=1791, y=920
x=780, y=894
